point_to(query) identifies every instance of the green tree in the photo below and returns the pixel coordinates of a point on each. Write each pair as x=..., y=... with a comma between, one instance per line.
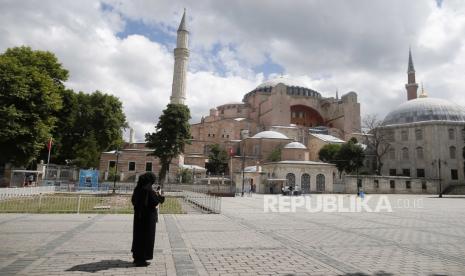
x=87, y=152
x=275, y=155
x=31, y=83
x=185, y=175
x=97, y=118
x=171, y=134
x=350, y=156
x=217, y=160
x=328, y=152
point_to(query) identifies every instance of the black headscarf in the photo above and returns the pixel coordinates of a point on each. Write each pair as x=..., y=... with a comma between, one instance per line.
x=143, y=188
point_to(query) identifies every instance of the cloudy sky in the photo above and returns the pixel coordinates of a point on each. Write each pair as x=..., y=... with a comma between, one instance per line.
x=125, y=48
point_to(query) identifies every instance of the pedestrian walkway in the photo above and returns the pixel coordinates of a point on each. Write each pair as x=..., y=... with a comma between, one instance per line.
x=244, y=240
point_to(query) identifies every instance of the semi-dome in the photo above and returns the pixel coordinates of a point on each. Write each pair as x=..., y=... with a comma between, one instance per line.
x=270, y=135
x=425, y=109
x=295, y=145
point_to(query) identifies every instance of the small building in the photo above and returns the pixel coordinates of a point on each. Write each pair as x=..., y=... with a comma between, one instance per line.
x=133, y=159
x=295, y=170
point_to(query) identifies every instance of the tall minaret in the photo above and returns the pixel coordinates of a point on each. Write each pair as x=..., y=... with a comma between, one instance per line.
x=181, y=55
x=411, y=86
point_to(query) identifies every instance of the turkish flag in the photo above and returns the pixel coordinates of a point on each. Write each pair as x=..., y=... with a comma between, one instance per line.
x=231, y=152
x=49, y=144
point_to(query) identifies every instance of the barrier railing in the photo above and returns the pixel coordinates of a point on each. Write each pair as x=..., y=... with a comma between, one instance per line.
x=206, y=202
x=43, y=200
x=25, y=191
x=200, y=188
x=72, y=203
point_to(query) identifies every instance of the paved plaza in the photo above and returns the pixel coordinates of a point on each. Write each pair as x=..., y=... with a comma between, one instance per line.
x=243, y=240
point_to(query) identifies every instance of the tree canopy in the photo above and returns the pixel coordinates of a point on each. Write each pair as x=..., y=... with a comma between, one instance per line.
x=31, y=83
x=328, y=152
x=347, y=157
x=88, y=125
x=217, y=160
x=35, y=106
x=351, y=155
x=171, y=134
x=275, y=155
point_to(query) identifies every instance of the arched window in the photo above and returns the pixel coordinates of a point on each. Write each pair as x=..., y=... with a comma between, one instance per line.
x=419, y=134
x=290, y=177
x=392, y=154
x=405, y=154
x=451, y=134
x=305, y=183
x=320, y=183
x=419, y=153
x=452, y=152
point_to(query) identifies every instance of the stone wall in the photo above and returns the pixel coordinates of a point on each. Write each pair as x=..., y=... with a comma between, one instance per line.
x=373, y=184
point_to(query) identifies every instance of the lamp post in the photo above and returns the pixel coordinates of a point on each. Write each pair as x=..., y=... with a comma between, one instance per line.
x=243, y=168
x=439, y=174
x=116, y=170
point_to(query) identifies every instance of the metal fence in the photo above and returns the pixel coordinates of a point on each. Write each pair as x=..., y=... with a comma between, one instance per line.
x=25, y=191
x=209, y=203
x=119, y=204
x=47, y=200
x=200, y=188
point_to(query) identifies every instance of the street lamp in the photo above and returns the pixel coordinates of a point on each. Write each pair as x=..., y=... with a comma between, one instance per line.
x=439, y=173
x=116, y=170
x=243, y=168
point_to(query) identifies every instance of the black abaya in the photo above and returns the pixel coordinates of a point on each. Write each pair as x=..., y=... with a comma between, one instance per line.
x=145, y=201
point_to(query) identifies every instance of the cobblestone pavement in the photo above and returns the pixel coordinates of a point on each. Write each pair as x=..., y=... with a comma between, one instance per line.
x=245, y=240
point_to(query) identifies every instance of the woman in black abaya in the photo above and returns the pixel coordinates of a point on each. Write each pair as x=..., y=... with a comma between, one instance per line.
x=145, y=201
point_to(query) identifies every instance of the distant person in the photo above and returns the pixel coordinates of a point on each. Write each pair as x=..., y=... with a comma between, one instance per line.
x=145, y=201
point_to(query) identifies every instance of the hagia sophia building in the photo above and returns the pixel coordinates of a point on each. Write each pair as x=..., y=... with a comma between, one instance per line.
x=285, y=115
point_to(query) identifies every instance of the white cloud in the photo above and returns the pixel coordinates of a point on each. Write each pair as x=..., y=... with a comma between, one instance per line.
x=360, y=46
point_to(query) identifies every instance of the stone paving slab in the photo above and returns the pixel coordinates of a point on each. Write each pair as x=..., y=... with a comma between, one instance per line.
x=244, y=240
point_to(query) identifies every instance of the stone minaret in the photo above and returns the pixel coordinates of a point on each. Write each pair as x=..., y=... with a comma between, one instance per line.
x=181, y=55
x=411, y=86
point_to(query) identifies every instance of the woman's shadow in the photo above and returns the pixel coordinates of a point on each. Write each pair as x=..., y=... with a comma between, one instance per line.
x=101, y=265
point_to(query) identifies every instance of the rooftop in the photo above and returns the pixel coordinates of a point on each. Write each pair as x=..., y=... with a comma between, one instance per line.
x=295, y=145
x=328, y=138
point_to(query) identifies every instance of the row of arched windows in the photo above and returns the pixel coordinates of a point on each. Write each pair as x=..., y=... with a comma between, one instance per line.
x=404, y=134
x=305, y=182
x=405, y=153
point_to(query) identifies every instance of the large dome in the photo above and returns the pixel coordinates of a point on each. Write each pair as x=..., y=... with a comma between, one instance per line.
x=284, y=80
x=425, y=109
x=293, y=88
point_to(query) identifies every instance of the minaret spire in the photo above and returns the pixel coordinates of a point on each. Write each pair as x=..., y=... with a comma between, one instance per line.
x=410, y=61
x=181, y=57
x=411, y=86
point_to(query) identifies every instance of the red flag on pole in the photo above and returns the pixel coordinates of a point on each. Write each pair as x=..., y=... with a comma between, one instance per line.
x=231, y=152
x=49, y=144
